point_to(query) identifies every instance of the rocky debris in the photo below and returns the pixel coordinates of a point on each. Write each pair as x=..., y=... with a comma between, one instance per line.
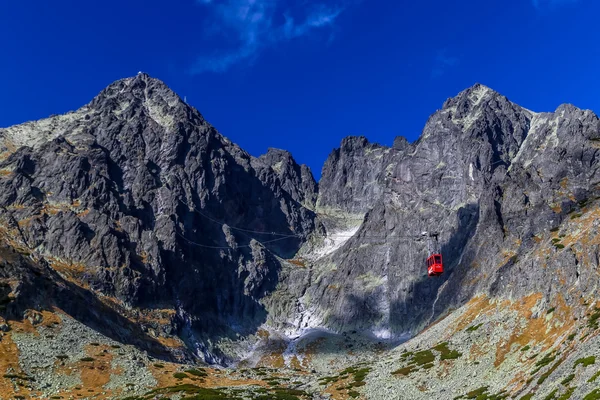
x=34, y=317
x=4, y=327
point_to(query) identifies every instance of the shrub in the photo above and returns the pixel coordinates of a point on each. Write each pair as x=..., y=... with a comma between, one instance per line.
x=567, y=395
x=404, y=371
x=87, y=359
x=179, y=375
x=475, y=394
x=585, y=361
x=594, y=377
x=197, y=372
x=593, y=395
x=552, y=395
x=473, y=328
x=568, y=379
x=423, y=357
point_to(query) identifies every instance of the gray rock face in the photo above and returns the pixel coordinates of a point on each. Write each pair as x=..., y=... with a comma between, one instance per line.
x=350, y=176
x=139, y=198
x=297, y=180
x=135, y=196
x=492, y=178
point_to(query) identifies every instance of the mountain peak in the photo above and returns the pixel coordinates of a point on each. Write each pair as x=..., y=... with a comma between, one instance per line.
x=471, y=96
x=141, y=87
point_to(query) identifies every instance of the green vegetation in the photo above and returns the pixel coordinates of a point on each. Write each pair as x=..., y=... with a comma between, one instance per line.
x=94, y=344
x=585, y=361
x=192, y=392
x=159, y=365
x=551, y=310
x=473, y=328
x=447, y=354
x=21, y=377
x=594, y=377
x=571, y=336
x=527, y=347
x=199, y=372
x=115, y=346
x=62, y=357
x=528, y=396
x=404, y=371
x=326, y=380
x=555, y=229
x=423, y=357
x=477, y=392
x=568, y=379
x=552, y=395
x=555, y=240
x=593, y=320
x=567, y=395
x=483, y=394
x=180, y=375
x=87, y=359
x=357, y=374
x=593, y=395
x=547, y=359
x=576, y=215
x=546, y=374
x=559, y=246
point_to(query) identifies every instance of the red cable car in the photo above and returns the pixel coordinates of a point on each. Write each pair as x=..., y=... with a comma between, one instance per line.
x=435, y=266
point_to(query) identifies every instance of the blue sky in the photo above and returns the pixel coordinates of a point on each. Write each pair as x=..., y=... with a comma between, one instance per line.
x=301, y=75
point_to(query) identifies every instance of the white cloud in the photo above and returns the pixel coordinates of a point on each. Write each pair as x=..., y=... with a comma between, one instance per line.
x=247, y=27
x=442, y=63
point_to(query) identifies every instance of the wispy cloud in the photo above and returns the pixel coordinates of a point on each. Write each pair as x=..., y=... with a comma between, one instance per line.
x=442, y=63
x=539, y=4
x=246, y=27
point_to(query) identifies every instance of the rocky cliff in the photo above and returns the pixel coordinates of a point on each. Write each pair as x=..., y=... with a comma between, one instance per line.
x=137, y=198
x=135, y=217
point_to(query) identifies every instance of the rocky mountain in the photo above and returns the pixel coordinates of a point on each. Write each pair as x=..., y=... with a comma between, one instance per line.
x=136, y=198
x=135, y=217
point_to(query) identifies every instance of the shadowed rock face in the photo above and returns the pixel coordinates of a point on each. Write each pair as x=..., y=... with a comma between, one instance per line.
x=139, y=198
x=136, y=197
x=491, y=177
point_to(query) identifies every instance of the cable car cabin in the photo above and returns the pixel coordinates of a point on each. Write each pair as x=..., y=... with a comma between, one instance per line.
x=435, y=266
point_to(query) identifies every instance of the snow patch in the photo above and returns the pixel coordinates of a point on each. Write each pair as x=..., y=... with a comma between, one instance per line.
x=333, y=242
